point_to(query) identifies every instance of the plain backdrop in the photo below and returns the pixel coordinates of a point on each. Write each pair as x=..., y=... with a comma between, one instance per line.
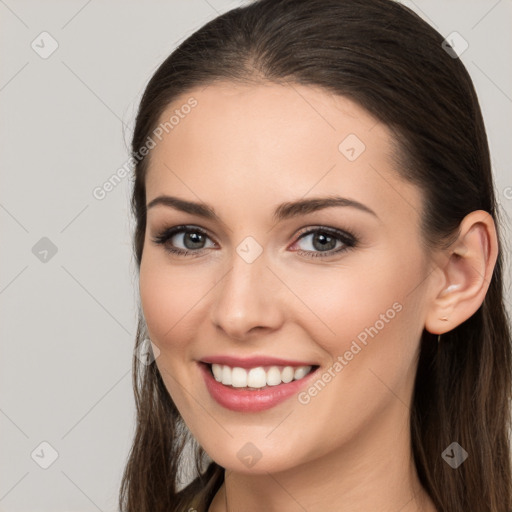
x=68, y=290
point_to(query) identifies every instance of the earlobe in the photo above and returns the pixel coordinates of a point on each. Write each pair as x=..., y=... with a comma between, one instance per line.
x=467, y=273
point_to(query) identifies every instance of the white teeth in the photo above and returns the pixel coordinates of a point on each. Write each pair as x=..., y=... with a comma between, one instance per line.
x=301, y=372
x=238, y=378
x=273, y=376
x=226, y=375
x=287, y=374
x=257, y=377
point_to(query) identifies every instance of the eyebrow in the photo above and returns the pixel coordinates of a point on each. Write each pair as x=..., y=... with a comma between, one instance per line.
x=283, y=211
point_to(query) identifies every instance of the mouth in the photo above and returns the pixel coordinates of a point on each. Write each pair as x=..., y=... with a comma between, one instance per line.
x=252, y=389
x=257, y=378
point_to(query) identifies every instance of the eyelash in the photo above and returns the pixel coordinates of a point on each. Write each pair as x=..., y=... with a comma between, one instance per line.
x=348, y=239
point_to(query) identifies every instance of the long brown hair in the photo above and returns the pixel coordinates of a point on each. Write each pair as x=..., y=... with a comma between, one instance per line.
x=384, y=57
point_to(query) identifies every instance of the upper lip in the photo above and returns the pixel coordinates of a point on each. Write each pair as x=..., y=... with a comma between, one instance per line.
x=253, y=362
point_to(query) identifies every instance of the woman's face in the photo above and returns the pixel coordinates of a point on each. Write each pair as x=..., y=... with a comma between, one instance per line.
x=343, y=288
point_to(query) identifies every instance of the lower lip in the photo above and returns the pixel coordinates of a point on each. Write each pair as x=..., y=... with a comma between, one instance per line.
x=244, y=400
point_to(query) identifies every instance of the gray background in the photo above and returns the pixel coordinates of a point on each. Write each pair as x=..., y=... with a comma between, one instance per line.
x=68, y=319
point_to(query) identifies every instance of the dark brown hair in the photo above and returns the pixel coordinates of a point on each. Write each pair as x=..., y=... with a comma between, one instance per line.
x=384, y=57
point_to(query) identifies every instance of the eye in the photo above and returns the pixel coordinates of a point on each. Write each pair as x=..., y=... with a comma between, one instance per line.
x=319, y=242
x=323, y=241
x=191, y=238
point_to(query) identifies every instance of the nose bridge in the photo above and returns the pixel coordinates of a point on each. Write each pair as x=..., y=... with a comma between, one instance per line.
x=246, y=297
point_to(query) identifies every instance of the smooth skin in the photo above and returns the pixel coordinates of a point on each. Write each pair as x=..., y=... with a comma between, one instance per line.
x=244, y=150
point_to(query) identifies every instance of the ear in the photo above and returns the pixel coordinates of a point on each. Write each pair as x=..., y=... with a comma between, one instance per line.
x=465, y=274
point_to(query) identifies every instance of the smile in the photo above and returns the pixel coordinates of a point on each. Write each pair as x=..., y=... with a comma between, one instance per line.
x=254, y=389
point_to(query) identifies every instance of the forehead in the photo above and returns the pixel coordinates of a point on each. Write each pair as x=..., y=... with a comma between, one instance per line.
x=245, y=113
x=270, y=143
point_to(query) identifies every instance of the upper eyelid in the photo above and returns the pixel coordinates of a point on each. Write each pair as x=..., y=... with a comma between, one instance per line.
x=316, y=227
x=178, y=229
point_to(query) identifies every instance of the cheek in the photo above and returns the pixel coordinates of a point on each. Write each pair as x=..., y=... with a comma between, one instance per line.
x=170, y=301
x=368, y=324
x=168, y=295
x=374, y=301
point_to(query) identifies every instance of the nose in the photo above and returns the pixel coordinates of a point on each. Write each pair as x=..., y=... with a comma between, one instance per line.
x=247, y=300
